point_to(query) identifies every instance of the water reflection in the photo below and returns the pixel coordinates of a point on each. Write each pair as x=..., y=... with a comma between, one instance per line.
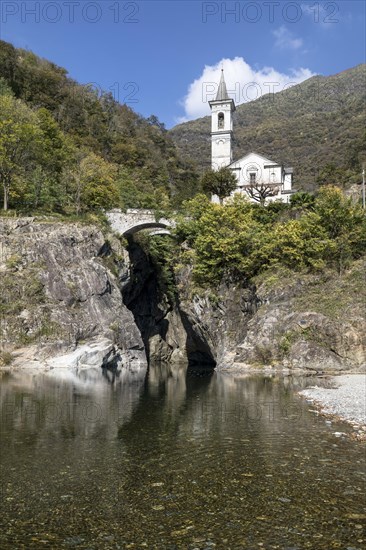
x=178, y=460
x=62, y=402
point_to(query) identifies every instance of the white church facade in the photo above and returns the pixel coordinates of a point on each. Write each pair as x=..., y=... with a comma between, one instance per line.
x=259, y=178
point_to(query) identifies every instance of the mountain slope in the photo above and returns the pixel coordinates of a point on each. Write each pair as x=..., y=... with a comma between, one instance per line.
x=309, y=126
x=96, y=122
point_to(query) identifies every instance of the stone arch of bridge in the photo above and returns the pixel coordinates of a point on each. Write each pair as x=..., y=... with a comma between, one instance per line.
x=133, y=220
x=158, y=228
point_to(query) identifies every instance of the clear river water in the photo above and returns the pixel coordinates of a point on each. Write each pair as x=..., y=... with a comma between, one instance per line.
x=196, y=461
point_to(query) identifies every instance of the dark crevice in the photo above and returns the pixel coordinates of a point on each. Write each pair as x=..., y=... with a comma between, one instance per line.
x=105, y=250
x=198, y=351
x=143, y=296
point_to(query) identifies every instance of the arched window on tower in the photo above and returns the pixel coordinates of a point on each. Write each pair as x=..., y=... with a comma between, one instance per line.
x=221, y=121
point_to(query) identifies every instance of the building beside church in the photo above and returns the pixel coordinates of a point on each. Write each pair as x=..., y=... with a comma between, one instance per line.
x=259, y=178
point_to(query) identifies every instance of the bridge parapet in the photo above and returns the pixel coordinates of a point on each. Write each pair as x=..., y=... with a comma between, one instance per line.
x=135, y=219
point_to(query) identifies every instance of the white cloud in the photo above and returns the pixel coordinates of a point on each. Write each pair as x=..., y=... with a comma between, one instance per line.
x=244, y=83
x=285, y=39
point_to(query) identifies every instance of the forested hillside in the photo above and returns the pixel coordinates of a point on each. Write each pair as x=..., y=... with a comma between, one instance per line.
x=69, y=148
x=318, y=127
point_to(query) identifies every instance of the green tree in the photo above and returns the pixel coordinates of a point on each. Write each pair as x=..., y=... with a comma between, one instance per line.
x=54, y=155
x=192, y=210
x=4, y=87
x=94, y=184
x=335, y=210
x=344, y=223
x=56, y=147
x=8, y=62
x=224, y=240
x=296, y=244
x=331, y=175
x=220, y=182
x=302, y=200
x=19, y=138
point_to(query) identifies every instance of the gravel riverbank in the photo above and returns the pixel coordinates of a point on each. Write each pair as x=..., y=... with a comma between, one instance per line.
x=346, y=401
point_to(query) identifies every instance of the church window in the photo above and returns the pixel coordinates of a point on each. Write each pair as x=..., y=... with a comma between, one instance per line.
x=252, y=178
x=221, y=120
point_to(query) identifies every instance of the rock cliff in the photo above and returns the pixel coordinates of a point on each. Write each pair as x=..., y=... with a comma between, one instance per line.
x=307, y=322
x=72, y=295
x=220, y=320
x=165, y=328
x=60, y=297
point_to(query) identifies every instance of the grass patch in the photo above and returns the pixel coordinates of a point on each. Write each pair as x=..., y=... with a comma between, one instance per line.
x=6, y=358
x=263, y=354
x=19, y=291
x=48, y=331
x=310, y=334
x=275, y=276
x=8, y=213
x=13, y=261
x=90, y=218
x=327, y=292
x=333, y=295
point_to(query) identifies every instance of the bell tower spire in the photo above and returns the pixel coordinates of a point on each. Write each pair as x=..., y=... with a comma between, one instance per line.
x=222, y=109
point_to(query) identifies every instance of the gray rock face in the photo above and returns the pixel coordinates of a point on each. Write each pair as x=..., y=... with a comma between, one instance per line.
x=157, y=317
x=246, y=327
x=75, y=298
x=217, y=324
x=306, y=340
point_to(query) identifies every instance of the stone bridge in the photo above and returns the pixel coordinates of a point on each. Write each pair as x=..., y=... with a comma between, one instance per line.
x=136, y=219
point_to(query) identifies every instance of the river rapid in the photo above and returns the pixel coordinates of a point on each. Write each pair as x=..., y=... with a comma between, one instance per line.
x=176, y=460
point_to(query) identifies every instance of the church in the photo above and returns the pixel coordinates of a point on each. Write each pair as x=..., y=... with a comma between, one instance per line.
x=259, y=178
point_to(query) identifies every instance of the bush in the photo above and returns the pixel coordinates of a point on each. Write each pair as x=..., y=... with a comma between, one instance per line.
x=240, y=240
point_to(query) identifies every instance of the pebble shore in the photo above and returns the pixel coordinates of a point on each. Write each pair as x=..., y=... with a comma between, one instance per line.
x=346, y=401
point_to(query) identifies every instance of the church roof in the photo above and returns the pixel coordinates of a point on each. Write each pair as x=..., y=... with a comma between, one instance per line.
x=222, y=91
x=267, y=160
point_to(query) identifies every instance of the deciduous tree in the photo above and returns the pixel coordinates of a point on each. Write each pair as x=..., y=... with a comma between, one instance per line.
x=20, y=136
x=220, y=182
x=95, y=184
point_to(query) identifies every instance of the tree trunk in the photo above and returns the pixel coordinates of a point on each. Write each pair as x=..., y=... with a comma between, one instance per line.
x=5, y=196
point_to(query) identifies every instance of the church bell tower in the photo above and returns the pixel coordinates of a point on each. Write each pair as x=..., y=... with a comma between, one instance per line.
x=222, y=109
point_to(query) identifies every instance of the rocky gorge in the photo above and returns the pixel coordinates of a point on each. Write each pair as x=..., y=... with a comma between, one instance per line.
x=74, y=294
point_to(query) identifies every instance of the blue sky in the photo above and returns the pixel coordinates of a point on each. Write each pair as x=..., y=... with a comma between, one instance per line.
x=161, y=57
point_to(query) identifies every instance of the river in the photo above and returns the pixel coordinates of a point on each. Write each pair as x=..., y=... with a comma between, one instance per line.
x=175, y=461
